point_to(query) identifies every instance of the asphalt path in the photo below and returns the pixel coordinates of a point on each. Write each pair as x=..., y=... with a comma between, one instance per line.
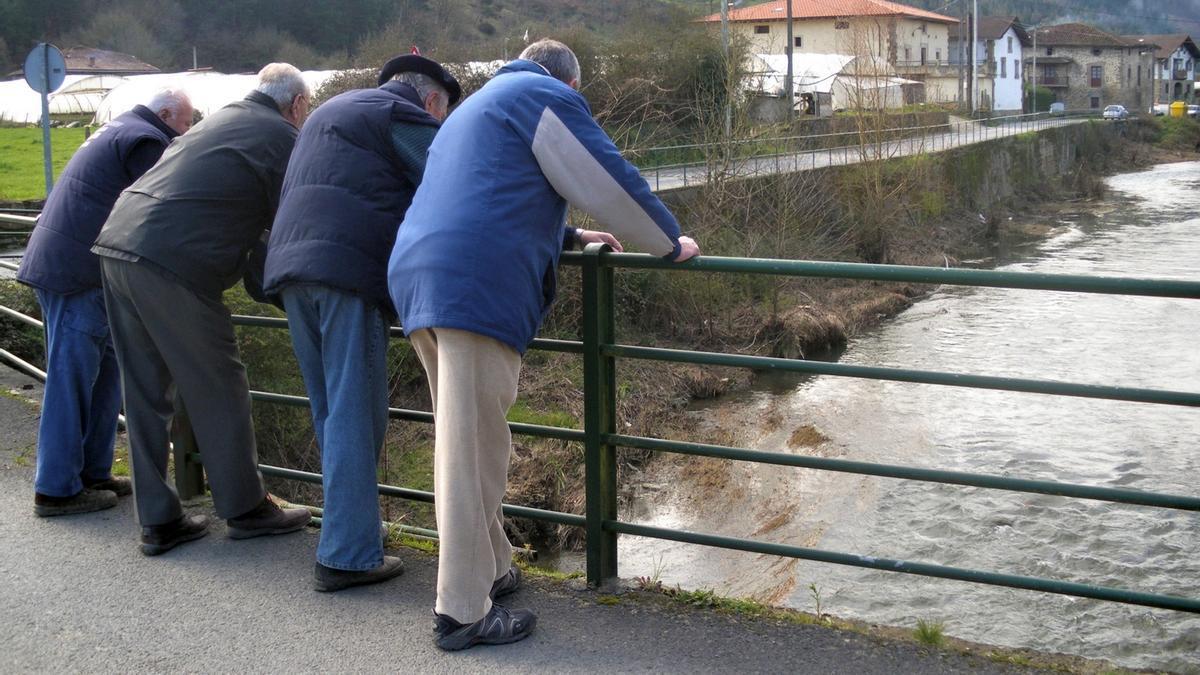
x=664, y=179
x=77, y=596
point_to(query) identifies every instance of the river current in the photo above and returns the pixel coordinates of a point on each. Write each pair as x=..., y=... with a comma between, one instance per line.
x=1147, y=226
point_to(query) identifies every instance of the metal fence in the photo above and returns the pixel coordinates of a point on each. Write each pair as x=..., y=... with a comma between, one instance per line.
x=600, y=351
x=745, y=158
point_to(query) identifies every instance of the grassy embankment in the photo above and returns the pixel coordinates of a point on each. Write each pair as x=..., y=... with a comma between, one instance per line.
x=922, y=210
x=22, y=175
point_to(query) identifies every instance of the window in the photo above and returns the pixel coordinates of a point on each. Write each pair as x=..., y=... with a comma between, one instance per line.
x=1139, y=82
x=1049, y=51
x=907, y=54
x=797, y=41
x=1095, y=101
x=1128, y=75
x=1097, y=76
x=1016, y=69
x=841, y=25
x=1178, y=64
x=1009, y=45
x=762, y=30
x=924, y=54
x=937, y=55
x=1003, y=66
x=1096, y=52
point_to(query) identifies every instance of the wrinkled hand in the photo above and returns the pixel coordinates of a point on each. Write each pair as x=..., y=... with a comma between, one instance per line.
x=595, y=237
x=688, y=248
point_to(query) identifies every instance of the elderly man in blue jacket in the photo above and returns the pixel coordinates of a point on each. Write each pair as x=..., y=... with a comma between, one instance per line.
x=83, y=386
x=473, y=274
x=353, y=173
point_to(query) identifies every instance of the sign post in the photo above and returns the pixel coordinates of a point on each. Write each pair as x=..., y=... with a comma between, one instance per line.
x=45, y=70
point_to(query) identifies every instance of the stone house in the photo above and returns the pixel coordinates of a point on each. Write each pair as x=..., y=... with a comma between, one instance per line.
x=1088, y=68
x=1175, y=67
x=912, y=41
x=1001, y=45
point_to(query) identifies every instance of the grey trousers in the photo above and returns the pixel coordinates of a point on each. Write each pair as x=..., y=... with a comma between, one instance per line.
x=168, y=337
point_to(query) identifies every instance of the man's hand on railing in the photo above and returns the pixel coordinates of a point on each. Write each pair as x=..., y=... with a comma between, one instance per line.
x=596, y=237
x=688, y=248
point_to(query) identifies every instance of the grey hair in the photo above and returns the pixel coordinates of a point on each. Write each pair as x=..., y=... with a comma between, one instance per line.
x=555, y=57
x=282, y=82
x=170, y=98
x=424, y=84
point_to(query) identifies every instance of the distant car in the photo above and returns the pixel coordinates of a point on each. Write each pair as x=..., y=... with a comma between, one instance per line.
x=1116, y=112
x=1193, y=110
x=1058, y=108
x=1160, y=109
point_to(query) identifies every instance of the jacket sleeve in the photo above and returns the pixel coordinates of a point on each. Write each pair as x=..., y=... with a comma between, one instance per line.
x=585, y=167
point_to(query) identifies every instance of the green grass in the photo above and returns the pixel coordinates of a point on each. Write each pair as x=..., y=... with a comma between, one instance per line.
x=21, y=174
x=930, y=633
x=521, y=413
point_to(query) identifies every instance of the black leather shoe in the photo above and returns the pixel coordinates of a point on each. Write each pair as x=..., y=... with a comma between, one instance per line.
x=158, y=539
x=329, y=579
x=86, y=501
x=501, y=626
x=267, y=518
x=121, y=486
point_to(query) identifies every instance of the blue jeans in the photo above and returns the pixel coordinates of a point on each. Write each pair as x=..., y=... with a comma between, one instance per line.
x=82, y=397
x=340, y=340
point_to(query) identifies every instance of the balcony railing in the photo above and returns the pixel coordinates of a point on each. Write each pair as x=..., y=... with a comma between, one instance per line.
x=1181, y=74
x=1053, y=81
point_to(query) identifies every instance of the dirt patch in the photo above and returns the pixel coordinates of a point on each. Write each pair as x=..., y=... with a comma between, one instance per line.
x=806, y=436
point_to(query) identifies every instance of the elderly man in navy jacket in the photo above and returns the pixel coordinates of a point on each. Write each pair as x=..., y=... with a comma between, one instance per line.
x=353, y=173
x=83, y=387
x=472, y=276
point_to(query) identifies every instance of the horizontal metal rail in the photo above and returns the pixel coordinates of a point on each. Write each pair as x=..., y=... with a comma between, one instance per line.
x=1167, y=288
x=922, y=569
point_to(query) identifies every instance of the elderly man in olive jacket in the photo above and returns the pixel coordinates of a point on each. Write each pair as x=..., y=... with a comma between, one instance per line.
x=176, y=239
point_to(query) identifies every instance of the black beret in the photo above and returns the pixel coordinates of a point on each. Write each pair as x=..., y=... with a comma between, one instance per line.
x=412, y=63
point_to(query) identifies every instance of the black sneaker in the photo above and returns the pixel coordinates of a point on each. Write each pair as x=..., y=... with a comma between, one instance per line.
x=506, y=584
x=121, y=486
x=267, y=518
x=158, y=539
x=85, y=501
x=501, y=626
x=329, y=579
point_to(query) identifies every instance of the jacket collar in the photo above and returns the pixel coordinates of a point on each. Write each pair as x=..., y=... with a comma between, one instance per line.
x=405, y=91
x=524, y=66
x=260, y=98
x=148, y=115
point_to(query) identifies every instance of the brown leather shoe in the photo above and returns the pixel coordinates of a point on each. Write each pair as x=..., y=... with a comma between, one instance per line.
x=267, y=518
x=121, y=486
x=158, y=539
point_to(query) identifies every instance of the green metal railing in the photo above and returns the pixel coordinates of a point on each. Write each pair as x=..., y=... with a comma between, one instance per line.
x=600, y=352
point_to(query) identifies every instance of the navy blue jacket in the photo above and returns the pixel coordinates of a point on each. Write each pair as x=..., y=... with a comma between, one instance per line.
x=346, y=190
x=58, y=258
x=480, y=244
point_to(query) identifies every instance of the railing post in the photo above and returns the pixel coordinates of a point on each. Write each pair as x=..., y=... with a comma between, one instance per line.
x=189, y=473
x=599, y=418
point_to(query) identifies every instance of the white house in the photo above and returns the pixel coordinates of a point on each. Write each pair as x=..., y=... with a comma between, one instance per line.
x=999, y=48
x=1175, y=66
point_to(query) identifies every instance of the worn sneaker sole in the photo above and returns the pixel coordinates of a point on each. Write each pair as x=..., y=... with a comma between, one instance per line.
x=158, y=549
x=454, y=643
x=239, y=533
x=52, y=510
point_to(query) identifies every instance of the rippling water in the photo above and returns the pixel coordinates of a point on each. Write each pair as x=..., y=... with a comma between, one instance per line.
x=1148, y=226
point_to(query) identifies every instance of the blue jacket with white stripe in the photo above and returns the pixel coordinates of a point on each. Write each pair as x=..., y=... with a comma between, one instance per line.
x=479, y=247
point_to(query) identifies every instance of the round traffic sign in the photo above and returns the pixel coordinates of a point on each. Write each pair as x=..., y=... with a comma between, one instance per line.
x=45, y=68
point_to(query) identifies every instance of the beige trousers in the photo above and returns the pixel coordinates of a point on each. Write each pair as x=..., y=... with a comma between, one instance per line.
x=473, y=381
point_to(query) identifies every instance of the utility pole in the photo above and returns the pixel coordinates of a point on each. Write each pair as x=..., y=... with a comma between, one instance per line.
x=789, y=83
x=974, y=56
x=194, y=66
x=728, y=67
x=1033, y=89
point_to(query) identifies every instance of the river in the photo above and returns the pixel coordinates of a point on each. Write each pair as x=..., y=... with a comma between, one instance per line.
x=1149, y=226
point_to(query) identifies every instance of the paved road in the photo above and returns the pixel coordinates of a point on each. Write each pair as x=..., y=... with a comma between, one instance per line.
x=76, y=596
x=963, y=133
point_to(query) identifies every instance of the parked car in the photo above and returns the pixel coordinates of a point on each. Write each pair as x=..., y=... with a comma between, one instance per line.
x=1116, y=112
x=1160, y=109
x=1193, y=110
x=1058, y=108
